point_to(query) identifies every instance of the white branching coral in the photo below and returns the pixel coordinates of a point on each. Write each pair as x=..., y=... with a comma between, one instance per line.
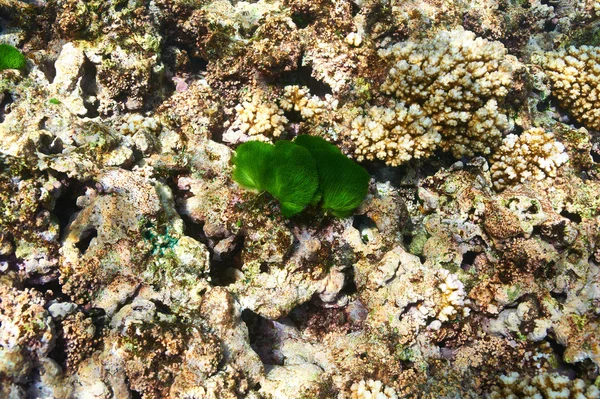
x=354, y=39
x=136, y=122
x=447, y=93
x=394, y=134
x=575, y=76
x=372, y=390
x=260, y=118
x=596, y=7
x=299, y=99
x=453, y=297
x=534, y=155
x=542, y=386
x=447, y=303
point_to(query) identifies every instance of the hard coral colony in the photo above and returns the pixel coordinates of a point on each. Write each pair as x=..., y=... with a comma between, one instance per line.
x=334, y=199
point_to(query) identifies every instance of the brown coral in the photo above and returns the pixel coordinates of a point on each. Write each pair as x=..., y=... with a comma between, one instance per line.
x=78, y=332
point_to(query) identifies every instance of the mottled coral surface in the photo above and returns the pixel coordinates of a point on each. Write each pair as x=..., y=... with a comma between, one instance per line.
x=133, y=266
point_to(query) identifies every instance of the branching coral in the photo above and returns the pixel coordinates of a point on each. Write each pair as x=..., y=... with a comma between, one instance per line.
x=299, y=99
x=453, y=297
x=575, y=76
x=544, y=385
x=372, y=390
x=449, y=303
x=137, y=122
x=447, y=93
x=260, y=118
x=394, y=134
x=534, y=155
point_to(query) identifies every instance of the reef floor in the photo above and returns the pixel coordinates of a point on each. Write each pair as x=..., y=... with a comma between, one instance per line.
x=132, y=265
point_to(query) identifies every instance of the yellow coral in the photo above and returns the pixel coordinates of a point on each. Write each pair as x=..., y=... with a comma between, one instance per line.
x=453, y=295
x=372, y=390
x=394, y=134
x=575, y=76
x=543, y=385
x=299, y=99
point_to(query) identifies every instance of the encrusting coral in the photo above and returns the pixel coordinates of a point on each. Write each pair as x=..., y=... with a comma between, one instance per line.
x=446, y=94
x=575, y=76
x=534, y=155
x=26, y=331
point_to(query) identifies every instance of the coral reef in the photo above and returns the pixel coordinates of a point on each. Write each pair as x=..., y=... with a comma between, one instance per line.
x=310, y=107
x=543, y=386
x=259, y=118
x=27, y=331
x=466, y=263
x=372, y=389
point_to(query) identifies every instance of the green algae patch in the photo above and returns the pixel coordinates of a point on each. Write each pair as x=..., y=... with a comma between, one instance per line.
x=317, y=145
x=11, y=57
x=292, y=177
x=304, y=172
x=251, y=162
x=343, y=183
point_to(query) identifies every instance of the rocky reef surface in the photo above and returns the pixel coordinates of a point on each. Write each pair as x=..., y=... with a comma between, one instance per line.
x=133, y=266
